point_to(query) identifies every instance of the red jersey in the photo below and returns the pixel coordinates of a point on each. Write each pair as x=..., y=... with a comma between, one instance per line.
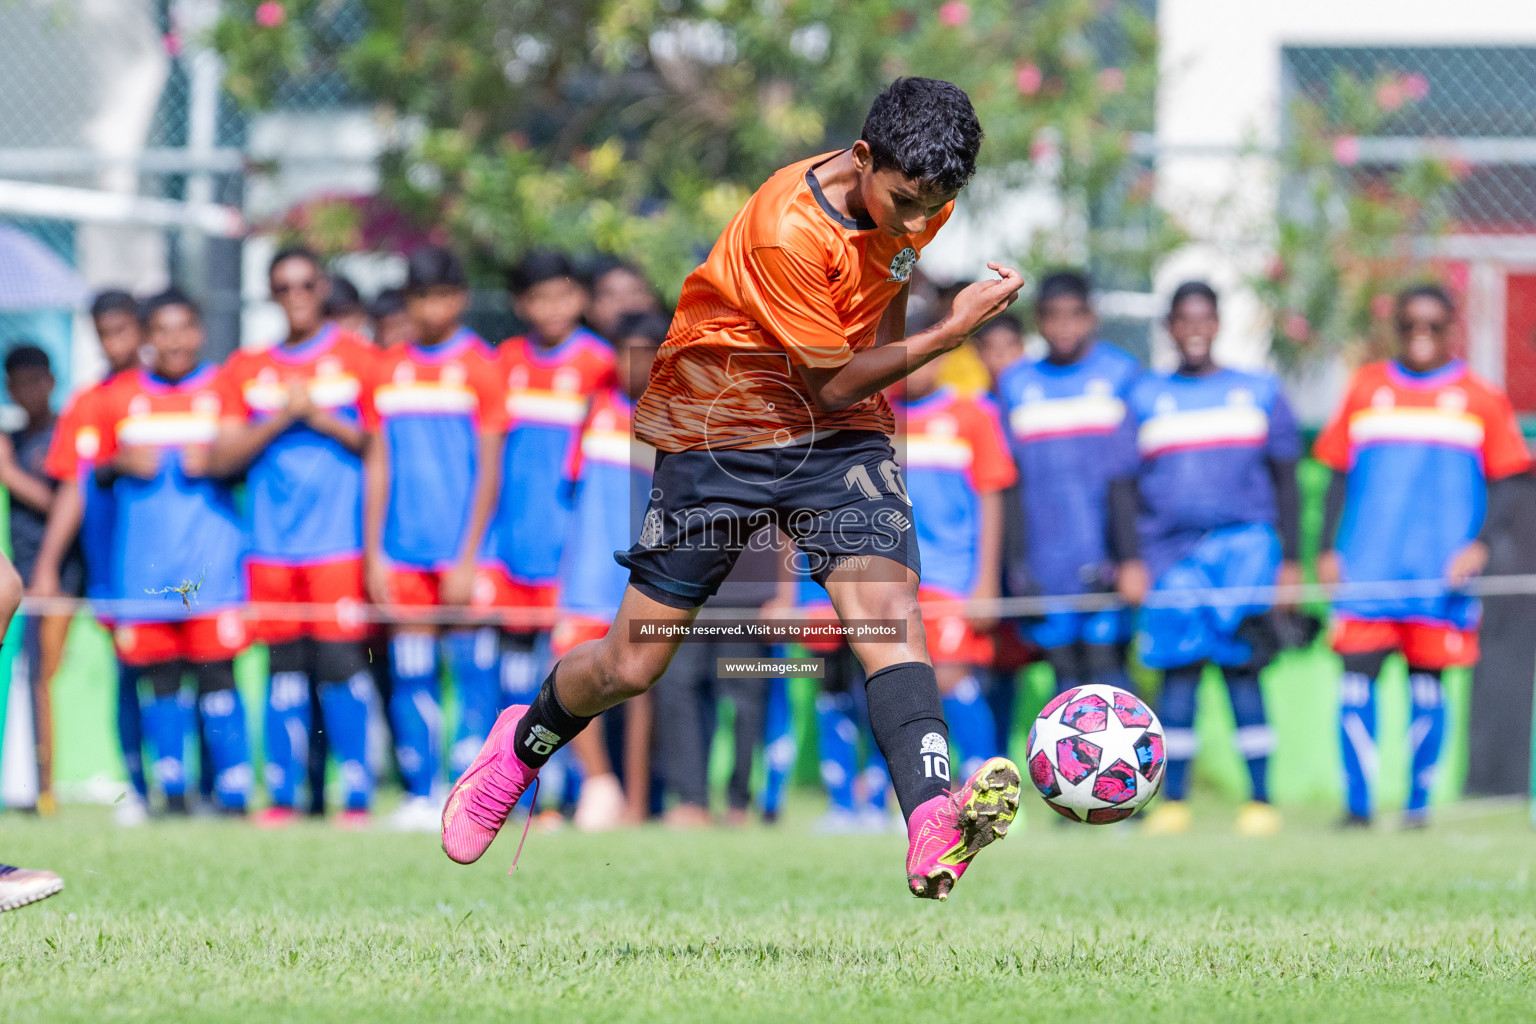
x=791, y=283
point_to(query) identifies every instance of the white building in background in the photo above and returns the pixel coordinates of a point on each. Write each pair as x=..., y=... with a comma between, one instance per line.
x=1226, y=68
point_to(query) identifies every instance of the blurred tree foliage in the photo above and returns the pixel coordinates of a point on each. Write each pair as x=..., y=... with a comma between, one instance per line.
x=1351, y=233
x=638, y=127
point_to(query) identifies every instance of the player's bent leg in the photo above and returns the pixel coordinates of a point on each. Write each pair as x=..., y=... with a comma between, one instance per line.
x=593, y=677
x=944, y=830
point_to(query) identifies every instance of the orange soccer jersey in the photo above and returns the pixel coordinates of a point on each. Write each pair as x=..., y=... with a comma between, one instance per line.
x=791, y=282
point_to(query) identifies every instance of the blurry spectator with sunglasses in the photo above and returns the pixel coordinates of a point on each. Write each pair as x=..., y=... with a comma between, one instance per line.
x=1422, y=452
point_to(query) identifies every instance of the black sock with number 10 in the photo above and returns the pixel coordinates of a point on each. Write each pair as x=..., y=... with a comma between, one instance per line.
x=546, y=726
x=907, y=719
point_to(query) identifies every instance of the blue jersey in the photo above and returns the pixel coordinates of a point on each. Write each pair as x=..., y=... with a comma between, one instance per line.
x=609, y=485
x=953, y=451
x=1419, y=450
x=173, y=530
x=305, y=490
x=547, y=391
x=1070, y=437
x=430, y=406
x=1205, y=444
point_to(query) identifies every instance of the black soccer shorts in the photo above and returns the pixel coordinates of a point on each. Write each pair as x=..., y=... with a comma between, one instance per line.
x=842, y=499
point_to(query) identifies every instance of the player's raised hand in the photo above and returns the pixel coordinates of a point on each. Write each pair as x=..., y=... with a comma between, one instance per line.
x=977, y=303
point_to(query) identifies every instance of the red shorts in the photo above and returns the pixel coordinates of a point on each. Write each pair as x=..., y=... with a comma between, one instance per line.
x=573, y=631
x=493, y=588
x=1422, y=644
x=952, y=640
x=1010, y=651
x=338, y=584
x=206, y=638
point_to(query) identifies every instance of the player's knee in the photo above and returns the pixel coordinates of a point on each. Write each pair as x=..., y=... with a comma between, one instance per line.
x=164, y=679
x=623, y=674
x=214, y=676
x=11, y=589
x=337, y=661
x=289, y=656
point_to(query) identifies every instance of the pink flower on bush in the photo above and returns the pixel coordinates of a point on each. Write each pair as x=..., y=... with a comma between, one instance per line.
x=1112, y=80
x=1296, y=326
x=1459, y=167
x=1276, y=270
x=270, y=14
x=1416, y=87
x=172, y=43
x=954, y=13
x=1028, y=79
x=1381, y=306
x=1042, y=149
x=1346, y=150
x=1391, y=96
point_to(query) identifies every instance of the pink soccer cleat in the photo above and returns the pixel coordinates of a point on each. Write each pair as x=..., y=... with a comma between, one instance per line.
x=947, y=831
x=276, y=817
x=485, y=794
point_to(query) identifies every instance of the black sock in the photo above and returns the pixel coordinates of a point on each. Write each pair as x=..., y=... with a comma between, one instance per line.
x=546, y=726
x=907, y=719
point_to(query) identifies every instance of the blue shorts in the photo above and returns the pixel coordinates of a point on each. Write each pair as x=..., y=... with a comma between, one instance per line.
x=1171, y=636
x=1062, y=629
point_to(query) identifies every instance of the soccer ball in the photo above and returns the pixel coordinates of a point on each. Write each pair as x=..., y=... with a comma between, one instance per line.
x=1096, y=754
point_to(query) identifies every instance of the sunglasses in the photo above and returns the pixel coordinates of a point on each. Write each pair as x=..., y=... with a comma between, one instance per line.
x=279, y=290
x=1409, y=326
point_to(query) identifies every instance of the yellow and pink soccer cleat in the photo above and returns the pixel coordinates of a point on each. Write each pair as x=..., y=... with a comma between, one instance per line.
x=946, y=832
x=485, y=794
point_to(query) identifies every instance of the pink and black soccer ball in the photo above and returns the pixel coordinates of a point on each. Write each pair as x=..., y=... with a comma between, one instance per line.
x=1096, y=754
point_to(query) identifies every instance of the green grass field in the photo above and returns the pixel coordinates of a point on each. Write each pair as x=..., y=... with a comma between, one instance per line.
x=210, y=921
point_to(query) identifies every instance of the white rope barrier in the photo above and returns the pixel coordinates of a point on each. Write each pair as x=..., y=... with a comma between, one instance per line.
x=170, y=608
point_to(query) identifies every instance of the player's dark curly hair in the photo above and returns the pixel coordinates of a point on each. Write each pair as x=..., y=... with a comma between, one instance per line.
x=114, y=300
x=1072, y=284
x=172, y=296
x=926, y=129
x=1427, y=290
x=1192, y=290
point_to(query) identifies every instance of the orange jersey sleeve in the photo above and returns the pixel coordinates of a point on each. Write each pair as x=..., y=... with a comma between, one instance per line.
x=792, y=283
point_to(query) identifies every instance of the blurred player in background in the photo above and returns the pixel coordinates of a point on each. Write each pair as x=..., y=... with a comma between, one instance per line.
x=344, y=305
x=83, y=510
x=548, y=377
x=607, y=484
x=23, y=452
x=291, y=425
x=19, y=886
x=388, y=321
x=1071, y=439
x=765, y=405
x=435, y=413
x=1217, y=506
x=1422, y=453
x=177, y=550
x=999, y=343
x=957, y=468
x=618, y=289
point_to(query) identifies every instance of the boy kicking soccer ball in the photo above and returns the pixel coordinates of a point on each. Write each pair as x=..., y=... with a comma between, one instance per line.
x=765, y=409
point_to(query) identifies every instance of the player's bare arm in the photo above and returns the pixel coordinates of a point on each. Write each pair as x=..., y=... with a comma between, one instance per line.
x=459, y=583
x=64, y=518
x=375, y=497
x=989, y=555
x=23, y=486
x=877, y=368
